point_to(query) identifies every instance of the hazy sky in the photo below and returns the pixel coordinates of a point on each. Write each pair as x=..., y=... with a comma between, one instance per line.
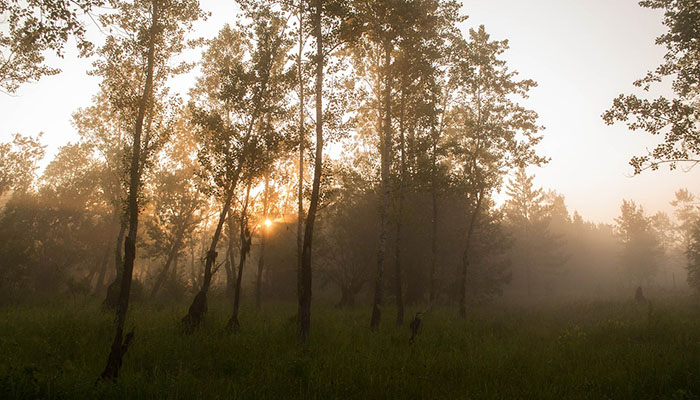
x=582, y=54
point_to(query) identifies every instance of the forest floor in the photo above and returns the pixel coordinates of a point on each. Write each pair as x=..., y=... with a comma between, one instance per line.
x=580, y=350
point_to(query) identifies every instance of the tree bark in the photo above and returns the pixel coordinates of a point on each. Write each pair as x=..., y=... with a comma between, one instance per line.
x=112, y=296
x=386, y=189
x=121, y=344
x=305, y=279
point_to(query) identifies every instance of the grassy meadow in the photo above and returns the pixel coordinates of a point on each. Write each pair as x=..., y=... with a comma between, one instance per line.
x=578, y=350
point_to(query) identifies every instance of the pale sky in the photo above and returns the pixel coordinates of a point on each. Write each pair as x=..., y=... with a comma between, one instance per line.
x=582, y=54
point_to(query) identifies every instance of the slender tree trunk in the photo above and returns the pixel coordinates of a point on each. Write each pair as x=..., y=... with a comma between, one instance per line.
x=121, y=344
x=434, y=226
x=233, y=325
x=228, y=266
x=112, y=296
x=300, y=199
x=399, y=217
x=198, y=308
x=386, y=189
x=166, y=268
x=199, y=305
x=305, y=271
x=263, y=236
x=465, y=258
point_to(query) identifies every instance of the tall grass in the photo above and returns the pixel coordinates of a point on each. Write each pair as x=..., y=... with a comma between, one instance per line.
x=584, y=350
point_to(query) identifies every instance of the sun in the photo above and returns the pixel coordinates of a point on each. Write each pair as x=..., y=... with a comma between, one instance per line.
x=268, y=222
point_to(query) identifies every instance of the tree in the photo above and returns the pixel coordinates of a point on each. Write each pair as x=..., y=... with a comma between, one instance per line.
x=238, y=101
x=348, y=235
x=386, y=25
x=176, y=202
x=33, y=28
x=677, y=118
x=693, y=256
x=18, y=163
x=421, y=65
x=536, y=249
x=489, y=133
x=641, y=246
x=687, y=213
x=246, y=236
x=328, y=16
x=159, y=27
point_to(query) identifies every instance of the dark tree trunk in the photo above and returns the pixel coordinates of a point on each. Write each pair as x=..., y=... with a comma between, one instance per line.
x=386, y=189
x=228, y=265
x=465, y=258
x=112, y=296
x=199, y=305
x=304, y=286
x=302, y=146
x=121, y=344
x=399, y=217
x=233, y=324
x=198, y=308
x=434, y=225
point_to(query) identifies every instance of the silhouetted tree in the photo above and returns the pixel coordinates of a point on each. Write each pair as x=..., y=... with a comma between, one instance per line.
x=678, y=118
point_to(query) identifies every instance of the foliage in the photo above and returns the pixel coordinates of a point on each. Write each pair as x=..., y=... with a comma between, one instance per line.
x=18, y=163
x=33, y=28
x=677, y=118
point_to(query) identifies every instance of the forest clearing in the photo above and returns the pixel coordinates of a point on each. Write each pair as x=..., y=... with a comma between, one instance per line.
x=577, y=350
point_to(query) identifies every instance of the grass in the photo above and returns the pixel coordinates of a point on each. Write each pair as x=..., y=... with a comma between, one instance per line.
x=585, y=350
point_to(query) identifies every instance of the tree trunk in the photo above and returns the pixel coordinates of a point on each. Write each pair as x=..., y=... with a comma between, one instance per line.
x=233, y=325
x=465, y=258
x=300, y=198
x=228, y=267
x=386, y=189
x=304, y=286
x=199, y=305
x=121, y=344
x=261, y=257
x=434, y=222
x=112, y=296
x=399, y=217
x=198, y=308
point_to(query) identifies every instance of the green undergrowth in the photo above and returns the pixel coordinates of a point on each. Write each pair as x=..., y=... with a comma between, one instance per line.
x=582, y=350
